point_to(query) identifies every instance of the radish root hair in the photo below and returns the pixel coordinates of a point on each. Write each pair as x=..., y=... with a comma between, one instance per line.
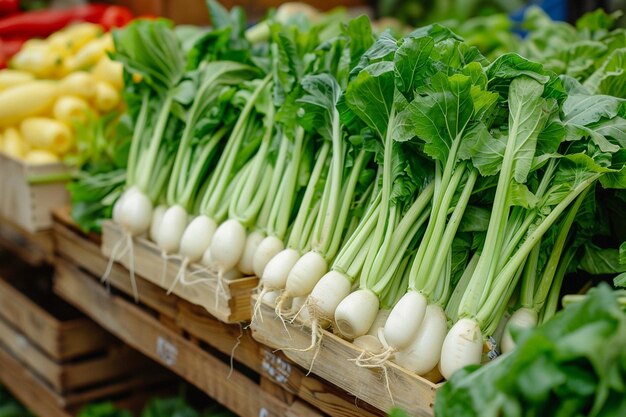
x=383, y=369
x=165, y=258
x=232, y=351
x=378, y=358
x=117, y=253
x=257, y=306
x=221, y=290
x=179, y=275
x=296, y=314
x=131, y=265
x=378, y=361
x=278, y=311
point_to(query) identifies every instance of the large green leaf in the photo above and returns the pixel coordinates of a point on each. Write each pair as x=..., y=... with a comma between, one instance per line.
x=610, y=77
x=527, y=118
x=370, y=96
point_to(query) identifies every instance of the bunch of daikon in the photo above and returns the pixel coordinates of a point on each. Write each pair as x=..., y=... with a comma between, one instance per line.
x=398, y=190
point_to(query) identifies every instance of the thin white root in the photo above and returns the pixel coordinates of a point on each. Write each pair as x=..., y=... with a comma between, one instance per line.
x=131, y=264
x=220, y=288
x=317, y=335
x=379, y=358
x=297, y=313
x=165, y=257
x=257, y=306
x=114, y=257
x=378, y=361
x=279, y=313
x=384, y=371
x=232, y=352
x=179, y=276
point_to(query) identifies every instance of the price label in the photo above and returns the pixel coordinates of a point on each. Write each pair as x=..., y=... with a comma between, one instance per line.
x=276, y=368
x=167, y=351
x=263, y=412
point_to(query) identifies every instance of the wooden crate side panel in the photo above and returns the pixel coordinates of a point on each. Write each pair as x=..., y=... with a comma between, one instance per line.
x=409, y=391
x=147, y=335
x=30, y=205
x=34, y=248
x=24, y=350
x=330, y=399
x=223, y=337
x=149, y=264
x=33, y=321
x=80, y=337
x=27, y=388
x=44, y=198
x=61, y=340
x=83, y=252
x=16, y=202
x=116, y=364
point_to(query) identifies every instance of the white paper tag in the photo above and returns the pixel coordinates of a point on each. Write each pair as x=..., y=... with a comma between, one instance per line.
x=167, y=351
x=276, y=368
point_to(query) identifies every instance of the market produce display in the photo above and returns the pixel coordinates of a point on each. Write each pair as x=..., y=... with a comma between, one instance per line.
x=409, y=191
x=442, y=200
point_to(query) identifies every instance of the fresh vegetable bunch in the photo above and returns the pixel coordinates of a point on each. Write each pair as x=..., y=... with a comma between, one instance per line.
x=409, y=192
x=574, y=365
x=53, y=86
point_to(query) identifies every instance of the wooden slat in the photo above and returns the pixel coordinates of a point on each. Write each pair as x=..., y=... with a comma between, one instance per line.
x=115, y=364
x=146, y=334
x=410, y=392
x=25, y=386
x=33, y=248
x=292, y=378
x=60, y=339
x=223, y=337
x=83, y=251
x=70, y=376
x=148, y=263
x=20, y=347
x=26, y=202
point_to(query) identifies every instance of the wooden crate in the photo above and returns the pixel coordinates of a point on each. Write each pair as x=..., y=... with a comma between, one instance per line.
x=28, y=193
x=43, y=401
x=65, y=349
x=159, y=339
x=230, y=305
x=198, y=326
x=33, y=248
x=410, y=392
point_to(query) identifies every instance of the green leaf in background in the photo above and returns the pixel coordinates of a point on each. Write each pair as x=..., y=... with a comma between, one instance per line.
x=103, y=410
x=610, y=78
x=573, y=365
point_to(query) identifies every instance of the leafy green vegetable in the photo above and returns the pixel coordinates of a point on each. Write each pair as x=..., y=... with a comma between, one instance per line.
x=106, y=409
x=573, y=365
x=9, y=407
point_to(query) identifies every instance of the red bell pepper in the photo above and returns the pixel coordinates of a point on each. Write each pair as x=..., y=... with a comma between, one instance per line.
x=8, y=48
x=8, y=7
x=42, y=23
x=116, y=17
x=11, y=46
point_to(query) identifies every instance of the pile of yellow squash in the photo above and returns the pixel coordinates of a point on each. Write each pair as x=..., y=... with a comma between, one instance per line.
x=51, y=86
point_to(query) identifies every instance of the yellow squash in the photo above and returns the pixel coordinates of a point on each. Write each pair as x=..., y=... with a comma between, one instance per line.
x=70, y=109
x=48, y=134
x=25, y=100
